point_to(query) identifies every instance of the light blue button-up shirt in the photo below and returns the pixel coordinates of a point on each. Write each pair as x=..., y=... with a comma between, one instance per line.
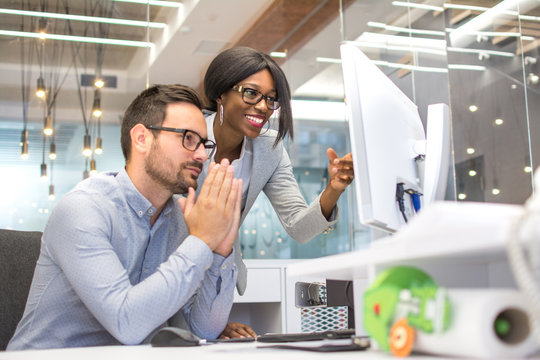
x=105, y=276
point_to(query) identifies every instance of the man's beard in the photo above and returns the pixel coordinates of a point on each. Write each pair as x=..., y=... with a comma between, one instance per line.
x=158, y=167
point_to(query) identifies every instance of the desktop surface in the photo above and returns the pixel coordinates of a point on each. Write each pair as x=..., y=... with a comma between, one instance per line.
x=228, y=351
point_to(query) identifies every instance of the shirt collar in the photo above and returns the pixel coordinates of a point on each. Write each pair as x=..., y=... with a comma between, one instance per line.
x=138, y=203
x=210, y=134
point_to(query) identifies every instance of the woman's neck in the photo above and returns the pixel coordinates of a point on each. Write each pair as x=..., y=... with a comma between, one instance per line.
x=229, y=143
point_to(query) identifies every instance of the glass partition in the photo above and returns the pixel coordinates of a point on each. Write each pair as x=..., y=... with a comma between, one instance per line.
x=480, y=57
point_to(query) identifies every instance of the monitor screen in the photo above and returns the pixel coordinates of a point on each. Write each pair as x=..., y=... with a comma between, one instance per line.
x=388, y=144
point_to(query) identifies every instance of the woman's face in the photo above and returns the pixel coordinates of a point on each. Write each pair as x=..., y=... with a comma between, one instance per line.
x=245, y=119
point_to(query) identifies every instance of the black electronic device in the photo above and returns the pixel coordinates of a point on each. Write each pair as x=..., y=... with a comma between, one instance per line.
x=309, y=336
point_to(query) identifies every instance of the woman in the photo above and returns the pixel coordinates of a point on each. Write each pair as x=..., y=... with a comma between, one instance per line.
x=244, y=87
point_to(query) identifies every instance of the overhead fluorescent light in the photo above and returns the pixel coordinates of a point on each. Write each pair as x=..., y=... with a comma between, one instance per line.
x=465, y=7
x=401, y=43
x=466, y=67
x=410, y=67
x=480, y=51
x=417, y=6
x=328, y=60
x=480, y=22
x=278, y=54
x=153, y=2
x=86, y=39
x=103, y=20
x=405, y=30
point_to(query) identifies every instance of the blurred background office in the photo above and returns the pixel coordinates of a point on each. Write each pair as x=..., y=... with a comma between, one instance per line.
x=478, y=56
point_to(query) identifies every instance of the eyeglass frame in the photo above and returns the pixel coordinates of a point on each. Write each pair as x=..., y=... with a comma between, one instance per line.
x=207, y=143
x=242, y=89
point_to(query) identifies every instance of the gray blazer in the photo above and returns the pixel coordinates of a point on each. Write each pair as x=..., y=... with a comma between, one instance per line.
x=272, y=173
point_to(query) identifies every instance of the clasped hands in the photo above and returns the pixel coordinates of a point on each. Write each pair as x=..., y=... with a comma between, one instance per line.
x=214, y=216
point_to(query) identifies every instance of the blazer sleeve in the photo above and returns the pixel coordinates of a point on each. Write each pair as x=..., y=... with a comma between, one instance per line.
x=301, y=221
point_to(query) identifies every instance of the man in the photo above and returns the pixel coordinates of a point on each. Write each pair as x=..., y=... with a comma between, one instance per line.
x=116, y=259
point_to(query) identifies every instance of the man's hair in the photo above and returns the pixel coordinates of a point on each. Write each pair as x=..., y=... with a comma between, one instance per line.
x=234, y=65
x=150, y=108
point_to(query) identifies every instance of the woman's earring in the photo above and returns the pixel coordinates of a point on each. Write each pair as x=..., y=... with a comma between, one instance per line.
x=220, y=114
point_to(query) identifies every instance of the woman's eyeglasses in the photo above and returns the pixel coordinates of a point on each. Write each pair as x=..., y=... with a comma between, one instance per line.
x=191, y=140
x=253, y=97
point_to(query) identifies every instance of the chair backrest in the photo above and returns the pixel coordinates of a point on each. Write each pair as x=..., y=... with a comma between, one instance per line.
x=19, y=251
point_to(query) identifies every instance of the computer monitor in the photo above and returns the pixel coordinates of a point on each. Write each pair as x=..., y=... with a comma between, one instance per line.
x=392, y=158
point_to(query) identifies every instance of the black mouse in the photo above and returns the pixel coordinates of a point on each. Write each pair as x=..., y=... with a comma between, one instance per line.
x=173, y=336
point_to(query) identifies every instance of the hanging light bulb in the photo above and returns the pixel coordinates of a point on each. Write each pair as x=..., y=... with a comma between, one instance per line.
x=99, y=83
x=24, y=145
x=40, y=88
x=98, y=149
x=93, y=170
x=52, y=151
x=48, y=128
x=42, y=28
x=96, y=108
x=51, y=192
x=87, y=145
x=43, y=172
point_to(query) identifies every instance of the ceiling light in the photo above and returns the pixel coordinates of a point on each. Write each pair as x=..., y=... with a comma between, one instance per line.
x=40, y=88
x=98, y=149
x=472, y=173
x=99, y=83
x=470, y=150
x=43, y=172
x=465, y=7
x=47, y=127
x=86, y=39
x=24, y=145
x=417, y=6
x=462, y=196
x=532, y=78
x=52, y=151
x=278, y=54
x=499, y=121
x=479, y=51
x=473, y=108
x=95, y=19
x=495, y=191
x=87, y=145
x=153, y=2
x=51, y=192
x=96, y=107
x=404, y=29
x=93, y=170
x=527, y=169
x=466, y=67
x=42, y=27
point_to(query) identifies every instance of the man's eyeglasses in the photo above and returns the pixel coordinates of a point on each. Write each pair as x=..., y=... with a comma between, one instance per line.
x=253, y=96
x=191, y=140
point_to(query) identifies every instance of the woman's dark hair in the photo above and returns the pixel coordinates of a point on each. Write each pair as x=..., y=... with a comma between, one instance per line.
x=234, y=65
x=150, y=108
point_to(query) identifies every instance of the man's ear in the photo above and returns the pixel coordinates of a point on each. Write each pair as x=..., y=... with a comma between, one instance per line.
x=141, y=139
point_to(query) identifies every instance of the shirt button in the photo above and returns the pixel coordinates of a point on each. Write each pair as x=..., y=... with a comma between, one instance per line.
x=140, y=212
x=150, y=211
x=223, y=267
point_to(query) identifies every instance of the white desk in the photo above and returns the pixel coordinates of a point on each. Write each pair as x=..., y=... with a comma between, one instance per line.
x=247, y=351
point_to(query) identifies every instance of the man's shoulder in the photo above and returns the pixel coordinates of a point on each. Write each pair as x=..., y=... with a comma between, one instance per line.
x=104, y=184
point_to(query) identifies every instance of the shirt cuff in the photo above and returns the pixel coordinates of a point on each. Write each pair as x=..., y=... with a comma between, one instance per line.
x=222, y=265
x=197, y=251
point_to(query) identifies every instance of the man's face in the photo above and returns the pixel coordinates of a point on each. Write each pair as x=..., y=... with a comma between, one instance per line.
x=168, y=162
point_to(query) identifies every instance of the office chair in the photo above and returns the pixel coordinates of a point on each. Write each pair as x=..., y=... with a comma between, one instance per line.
x=19, y=251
